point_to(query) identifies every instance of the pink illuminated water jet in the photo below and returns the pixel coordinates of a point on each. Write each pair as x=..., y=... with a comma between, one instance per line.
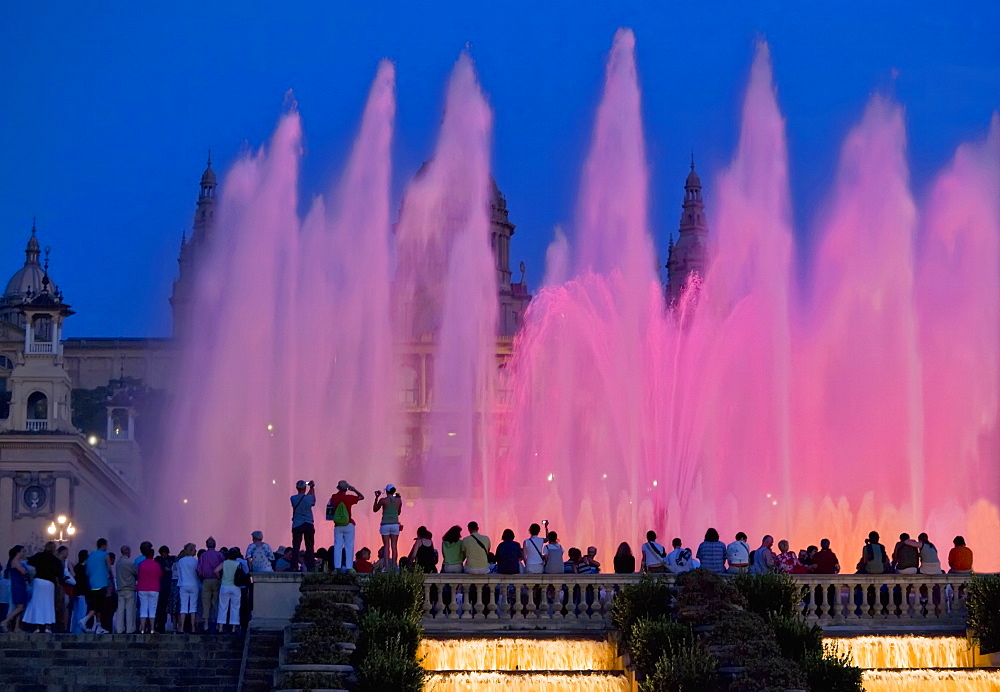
x=866, y=398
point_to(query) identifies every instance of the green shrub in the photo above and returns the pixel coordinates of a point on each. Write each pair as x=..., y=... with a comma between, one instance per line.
x=651, y=639
x=683, y=668
x=320, y=644
x=744, y=635
x=312, y=608
x=831, y=671
x=378, y=627
x=796, y=639
x=771, y=674
x=400, y=593
x=648, y=599
x=390, y=667
x=329, y=579
x=705, y=597
x=983, y=604
x=770, y=594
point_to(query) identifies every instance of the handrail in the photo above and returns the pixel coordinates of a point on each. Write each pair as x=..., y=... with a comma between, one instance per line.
x=578, y=599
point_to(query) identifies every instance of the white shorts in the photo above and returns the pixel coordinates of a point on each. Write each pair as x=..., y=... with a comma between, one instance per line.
x=189, y=599
x=534, y=568
x=388, y=530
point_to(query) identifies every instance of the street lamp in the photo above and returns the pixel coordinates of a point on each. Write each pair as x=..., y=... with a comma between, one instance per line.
x=62, y=526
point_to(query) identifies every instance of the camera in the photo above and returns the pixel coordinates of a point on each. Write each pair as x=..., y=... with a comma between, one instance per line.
x=312, y=484
x=545, y=522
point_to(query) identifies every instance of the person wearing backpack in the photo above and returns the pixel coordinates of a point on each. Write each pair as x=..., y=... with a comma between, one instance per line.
x=873, y=557
x=339, y=511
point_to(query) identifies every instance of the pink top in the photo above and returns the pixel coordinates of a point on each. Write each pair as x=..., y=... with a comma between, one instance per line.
x=149, y=576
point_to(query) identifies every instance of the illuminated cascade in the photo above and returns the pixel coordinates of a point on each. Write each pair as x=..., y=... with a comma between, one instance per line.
x=907, y=652
x=516, y=654
x=937, y=680
x=499, y=665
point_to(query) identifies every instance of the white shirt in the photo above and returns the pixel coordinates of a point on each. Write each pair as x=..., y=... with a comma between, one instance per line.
x=653, y=553
x=533, y=549
x=738, y=553
x=676, y=564
x=187, y=571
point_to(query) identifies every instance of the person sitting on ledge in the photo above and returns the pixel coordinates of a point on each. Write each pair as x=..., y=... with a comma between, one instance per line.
x=591, y=565
x=873, y=558
x=712, y=552
x=476, y=548
x=679, y=559
x=624, y=559
x=738, y=555
x=930, y=563
x=960, y=558
x=653, y=555
x=451, y=550
x=786, y=560
x=825, y=561
x=363, y=561
x=906, y=555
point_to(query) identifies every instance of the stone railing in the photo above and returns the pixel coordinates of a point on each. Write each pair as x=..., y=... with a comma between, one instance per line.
x=583, y=602
x=521, y=601
x=878, y=601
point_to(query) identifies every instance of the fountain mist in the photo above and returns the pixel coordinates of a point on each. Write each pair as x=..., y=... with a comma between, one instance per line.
x=865, y=399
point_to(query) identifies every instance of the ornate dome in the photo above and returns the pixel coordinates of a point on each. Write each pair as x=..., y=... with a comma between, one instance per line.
x=28, y=277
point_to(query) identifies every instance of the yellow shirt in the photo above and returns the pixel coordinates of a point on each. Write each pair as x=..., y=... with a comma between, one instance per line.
x=475, y=556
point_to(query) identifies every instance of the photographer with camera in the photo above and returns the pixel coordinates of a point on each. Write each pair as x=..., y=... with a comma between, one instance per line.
x=303, y=526
x=390, y=505
x=338, y=510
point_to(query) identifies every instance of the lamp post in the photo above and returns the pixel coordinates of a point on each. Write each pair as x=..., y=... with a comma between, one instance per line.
x=63, y=527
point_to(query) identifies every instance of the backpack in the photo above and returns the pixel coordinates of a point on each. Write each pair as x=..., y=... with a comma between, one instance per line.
x=875, y=563
x=341, y=517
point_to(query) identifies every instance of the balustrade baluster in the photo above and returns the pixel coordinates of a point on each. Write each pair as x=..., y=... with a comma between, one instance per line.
x=428, y=605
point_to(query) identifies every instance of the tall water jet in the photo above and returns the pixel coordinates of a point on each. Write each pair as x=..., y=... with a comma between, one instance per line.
x=215, y=467
x=447, y=293
x=733, y=360
x=580, y=369
x=859, y=390
x=958, y=305
x=269, y=391
x=341, y=343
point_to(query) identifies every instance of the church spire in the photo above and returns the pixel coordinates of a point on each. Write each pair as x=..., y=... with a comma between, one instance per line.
x=32, y=250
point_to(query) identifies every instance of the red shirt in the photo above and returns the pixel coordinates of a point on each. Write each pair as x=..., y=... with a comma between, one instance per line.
x=149, y=575
x=363, y=566
x=825, y=561
x=348, y=500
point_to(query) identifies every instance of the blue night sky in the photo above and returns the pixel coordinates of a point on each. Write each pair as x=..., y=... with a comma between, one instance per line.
x=107, y=109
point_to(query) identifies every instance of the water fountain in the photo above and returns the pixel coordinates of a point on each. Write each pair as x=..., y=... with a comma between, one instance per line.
x=866, y=398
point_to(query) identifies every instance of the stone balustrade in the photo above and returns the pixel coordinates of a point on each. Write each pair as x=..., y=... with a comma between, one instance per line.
x=897, y=603
x=884, y=602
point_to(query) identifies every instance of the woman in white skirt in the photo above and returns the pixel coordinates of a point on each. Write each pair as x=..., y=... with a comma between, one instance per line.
x=41, y=610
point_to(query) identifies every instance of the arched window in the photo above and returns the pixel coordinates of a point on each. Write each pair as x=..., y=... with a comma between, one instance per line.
x=38, y=407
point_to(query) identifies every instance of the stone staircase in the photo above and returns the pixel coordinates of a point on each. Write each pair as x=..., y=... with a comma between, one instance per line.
x=260, y=659
x=119, y=662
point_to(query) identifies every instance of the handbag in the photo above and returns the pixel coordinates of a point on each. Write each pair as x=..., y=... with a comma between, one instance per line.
x=241, y=578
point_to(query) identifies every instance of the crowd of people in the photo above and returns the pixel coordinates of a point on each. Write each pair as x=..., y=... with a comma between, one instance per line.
x=197, y=590
x=211, y=590
x=542, y=553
